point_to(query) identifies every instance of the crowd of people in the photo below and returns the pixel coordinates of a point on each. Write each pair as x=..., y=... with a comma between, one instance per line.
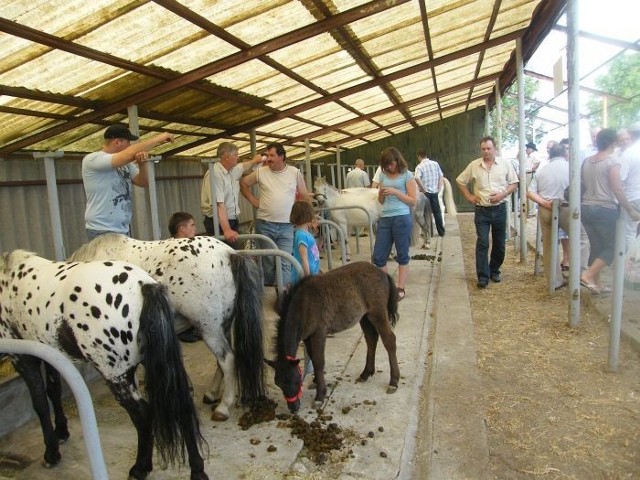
x=610, y=177
x=610, y=186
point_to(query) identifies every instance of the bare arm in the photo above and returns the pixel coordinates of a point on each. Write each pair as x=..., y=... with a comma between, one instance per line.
x=409, y=198
x=142, y=178
x=472, y=199
x=248, y=165
x=130, y=153
x=543, y=202
x=303, y=193
x=246, y=183
x=302, y=250
x=230, y=235
x=618, y=191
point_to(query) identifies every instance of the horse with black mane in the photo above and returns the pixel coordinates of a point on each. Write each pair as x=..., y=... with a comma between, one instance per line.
x=217, y=290
x=330, y=303
x=114, y=316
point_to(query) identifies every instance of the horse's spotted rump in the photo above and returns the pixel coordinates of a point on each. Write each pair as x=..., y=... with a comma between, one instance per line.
x=120, y=278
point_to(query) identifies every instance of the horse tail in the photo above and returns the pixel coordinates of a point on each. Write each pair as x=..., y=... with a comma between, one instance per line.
x=174, y=417
x=448, y=199
x=392, y=301
x=247, y=329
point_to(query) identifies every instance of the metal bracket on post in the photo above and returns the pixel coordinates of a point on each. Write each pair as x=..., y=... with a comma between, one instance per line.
x=616, y=301
x=54, y=204
x=537, y=264
x=153, y=195
x=212, y=184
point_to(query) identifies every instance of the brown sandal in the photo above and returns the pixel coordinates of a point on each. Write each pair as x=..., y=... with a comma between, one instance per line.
x=401, y=293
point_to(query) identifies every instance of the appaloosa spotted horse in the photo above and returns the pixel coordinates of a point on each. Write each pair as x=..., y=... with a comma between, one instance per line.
x=115, y=316
x=217, y=290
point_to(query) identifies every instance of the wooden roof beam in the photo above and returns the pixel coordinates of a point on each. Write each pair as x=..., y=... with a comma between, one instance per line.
x=290, y=38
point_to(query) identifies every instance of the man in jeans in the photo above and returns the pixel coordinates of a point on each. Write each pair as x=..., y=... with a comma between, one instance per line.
x=279, y=185
x=430, y=181
x=494, y=179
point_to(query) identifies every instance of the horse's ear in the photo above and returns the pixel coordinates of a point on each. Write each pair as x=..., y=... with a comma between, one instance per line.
x=271, y=363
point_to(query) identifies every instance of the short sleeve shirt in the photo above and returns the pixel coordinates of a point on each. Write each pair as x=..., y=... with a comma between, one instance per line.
x=108, y=191
x=302, y=237
x=488, y=180
x=392, y=205
x=227, y=190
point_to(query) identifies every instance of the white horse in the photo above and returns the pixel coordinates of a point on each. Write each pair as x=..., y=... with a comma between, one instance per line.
x=328, y=196
x=217, y=290
x=423, y=216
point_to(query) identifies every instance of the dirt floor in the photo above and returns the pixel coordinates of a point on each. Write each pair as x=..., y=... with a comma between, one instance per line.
x=552, y=409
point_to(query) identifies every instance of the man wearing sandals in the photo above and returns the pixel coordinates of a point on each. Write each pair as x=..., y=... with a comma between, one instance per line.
x=494, y=179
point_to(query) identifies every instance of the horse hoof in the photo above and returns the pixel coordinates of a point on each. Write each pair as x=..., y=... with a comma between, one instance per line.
x=217, y=416
x=206, y=399
x=361, y=379
x=317, y=403
x=392, y=389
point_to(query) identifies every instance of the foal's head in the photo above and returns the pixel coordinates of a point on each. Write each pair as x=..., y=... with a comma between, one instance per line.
x=289, y=379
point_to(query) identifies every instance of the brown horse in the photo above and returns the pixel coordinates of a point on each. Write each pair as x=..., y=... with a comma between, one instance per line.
x=331, y=303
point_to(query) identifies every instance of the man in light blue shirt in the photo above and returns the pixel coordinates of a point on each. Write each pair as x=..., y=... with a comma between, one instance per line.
x=430, y=181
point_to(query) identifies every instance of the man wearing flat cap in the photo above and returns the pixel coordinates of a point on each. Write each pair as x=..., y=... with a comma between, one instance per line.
x=108, y=175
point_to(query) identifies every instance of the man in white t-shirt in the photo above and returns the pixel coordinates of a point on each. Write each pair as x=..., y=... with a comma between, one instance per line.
x=280, y=185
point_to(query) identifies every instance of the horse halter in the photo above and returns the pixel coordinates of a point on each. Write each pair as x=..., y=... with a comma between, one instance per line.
x=298, y=395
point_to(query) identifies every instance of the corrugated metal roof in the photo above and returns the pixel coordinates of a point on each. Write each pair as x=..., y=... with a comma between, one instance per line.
x=340, y=72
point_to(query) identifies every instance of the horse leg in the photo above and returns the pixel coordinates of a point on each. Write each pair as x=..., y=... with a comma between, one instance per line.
x=126, y=394
x=371, y=337
x=54, y=392
x=220, y=347
x=29, y=369
x=212, y=395
x=389, y=341
x=315, y=348
x=345, y=235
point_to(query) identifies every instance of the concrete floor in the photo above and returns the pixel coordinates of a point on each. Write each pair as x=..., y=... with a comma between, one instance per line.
x=428, y=429
x=386, y=435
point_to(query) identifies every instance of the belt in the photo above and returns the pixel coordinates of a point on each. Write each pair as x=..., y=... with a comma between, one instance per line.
x=492, y=206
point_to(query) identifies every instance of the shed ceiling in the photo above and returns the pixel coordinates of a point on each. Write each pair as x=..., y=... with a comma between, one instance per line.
x=335, y=72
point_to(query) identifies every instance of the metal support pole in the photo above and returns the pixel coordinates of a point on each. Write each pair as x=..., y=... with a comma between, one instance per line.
x=253, y=142
x=212, y=184
x=553, y=261
x=153, y=196
x=537, y=264
x=80, y=391
x=616, y=301
x=499, y=115
x=338, y=168
x=307, y=163
x=522, y=153
x=54, y=204
x=487, y=118
x=573, y=82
